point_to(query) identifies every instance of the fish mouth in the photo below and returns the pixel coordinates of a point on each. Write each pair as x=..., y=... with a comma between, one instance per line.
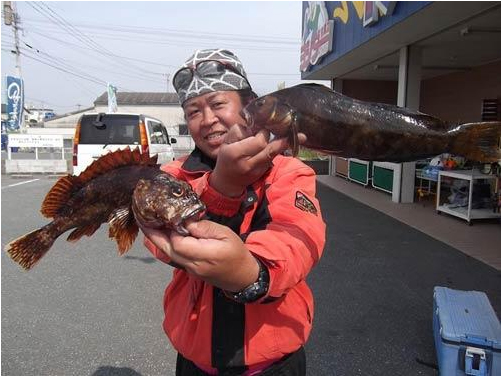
x=194, y=214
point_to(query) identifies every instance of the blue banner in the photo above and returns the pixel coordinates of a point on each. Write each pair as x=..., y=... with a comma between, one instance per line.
x=15, y=102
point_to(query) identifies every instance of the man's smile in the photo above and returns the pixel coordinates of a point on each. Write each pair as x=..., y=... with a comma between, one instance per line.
x=216, y=137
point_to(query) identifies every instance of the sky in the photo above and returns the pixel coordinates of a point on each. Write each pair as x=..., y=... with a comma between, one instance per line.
x=71, y=50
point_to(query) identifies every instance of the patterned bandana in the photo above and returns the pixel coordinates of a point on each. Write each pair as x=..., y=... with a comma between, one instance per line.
x=231, y=75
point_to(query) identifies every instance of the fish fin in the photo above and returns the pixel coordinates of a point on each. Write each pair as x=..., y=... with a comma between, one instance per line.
x=477, y=141
x=30, y=248
x=87, y=230
x=59, y=194
x=123, y=228
x=116, y=159
x=293, y=138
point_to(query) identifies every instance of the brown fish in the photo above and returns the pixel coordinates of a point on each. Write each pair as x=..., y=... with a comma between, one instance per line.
x=106, y=192
x=345, y=127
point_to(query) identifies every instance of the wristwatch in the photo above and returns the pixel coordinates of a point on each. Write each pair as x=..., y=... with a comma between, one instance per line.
x=254, y=291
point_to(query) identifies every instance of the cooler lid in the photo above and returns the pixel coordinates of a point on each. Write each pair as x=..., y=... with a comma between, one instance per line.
x=467, y=317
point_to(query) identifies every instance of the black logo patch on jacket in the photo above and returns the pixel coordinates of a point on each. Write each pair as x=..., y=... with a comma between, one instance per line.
x=304, y=203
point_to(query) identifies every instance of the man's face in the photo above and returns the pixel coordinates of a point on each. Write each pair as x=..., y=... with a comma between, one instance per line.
x=209, y=117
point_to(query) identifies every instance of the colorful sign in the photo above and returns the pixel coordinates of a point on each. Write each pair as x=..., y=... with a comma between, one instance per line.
x=332, y=29
x=15, y=102
x=373, y=8
x=317, y=35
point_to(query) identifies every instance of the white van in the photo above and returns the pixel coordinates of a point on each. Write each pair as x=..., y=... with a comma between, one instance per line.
x=98, y=134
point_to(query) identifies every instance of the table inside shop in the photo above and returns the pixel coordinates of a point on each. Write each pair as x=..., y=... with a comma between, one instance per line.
x=429, y=189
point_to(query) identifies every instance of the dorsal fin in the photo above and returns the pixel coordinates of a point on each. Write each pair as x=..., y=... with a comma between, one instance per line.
x=115, y=160
x=64, y=188
x=59, y=194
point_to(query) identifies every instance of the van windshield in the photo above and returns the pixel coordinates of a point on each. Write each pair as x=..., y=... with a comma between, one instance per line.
x=113, y=129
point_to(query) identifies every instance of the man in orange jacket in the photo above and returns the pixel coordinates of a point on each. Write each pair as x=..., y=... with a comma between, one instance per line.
x=238, y=302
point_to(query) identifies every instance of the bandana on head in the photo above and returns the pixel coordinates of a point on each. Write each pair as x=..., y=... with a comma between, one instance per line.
x=229, y=80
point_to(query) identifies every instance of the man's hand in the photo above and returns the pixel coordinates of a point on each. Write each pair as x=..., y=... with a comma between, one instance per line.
x=212, y=252
x=244, y=159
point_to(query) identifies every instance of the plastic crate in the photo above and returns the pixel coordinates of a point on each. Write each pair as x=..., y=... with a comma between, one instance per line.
x=466, y=333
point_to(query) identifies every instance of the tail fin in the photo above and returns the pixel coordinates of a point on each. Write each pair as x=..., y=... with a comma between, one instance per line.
x=28, y=249
x=478, y=141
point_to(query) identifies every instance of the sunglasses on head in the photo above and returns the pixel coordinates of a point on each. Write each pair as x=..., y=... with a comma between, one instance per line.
x=204, y=69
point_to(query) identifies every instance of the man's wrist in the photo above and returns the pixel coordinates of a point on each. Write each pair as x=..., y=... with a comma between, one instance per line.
x=226, y=189
x=254, y=291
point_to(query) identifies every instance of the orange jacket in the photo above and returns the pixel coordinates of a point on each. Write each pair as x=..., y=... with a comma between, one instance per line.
x=280, y=221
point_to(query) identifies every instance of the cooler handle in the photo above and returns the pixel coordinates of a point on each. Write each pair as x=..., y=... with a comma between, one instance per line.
x=475, y=362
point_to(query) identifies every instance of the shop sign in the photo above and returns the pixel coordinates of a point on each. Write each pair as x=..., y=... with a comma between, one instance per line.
x=35, y=141
x=15, y=102
x=317, y=34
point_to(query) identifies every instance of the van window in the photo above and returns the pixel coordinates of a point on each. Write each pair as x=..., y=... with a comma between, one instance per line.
x=158, y=133
x=113, y=129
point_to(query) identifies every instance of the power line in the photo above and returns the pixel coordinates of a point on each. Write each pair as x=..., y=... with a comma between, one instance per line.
x=165, y=65
x=69, y=28
x=177, y=43
x=99, y=47
x=67, y=65
x=179, y=33
x=89, y=78
x=86, y=48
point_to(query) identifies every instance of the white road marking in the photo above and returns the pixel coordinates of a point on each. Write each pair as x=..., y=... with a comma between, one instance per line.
x=21, y=183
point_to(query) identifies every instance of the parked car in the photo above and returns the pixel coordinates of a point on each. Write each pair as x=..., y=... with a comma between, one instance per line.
x=98, y=134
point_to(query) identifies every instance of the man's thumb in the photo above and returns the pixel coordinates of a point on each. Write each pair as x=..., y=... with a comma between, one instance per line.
x=206, y=229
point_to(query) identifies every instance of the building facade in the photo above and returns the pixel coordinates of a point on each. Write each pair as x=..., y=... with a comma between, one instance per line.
x=441, y=58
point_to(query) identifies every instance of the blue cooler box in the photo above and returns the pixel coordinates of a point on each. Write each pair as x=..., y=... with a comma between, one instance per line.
x=466, y=333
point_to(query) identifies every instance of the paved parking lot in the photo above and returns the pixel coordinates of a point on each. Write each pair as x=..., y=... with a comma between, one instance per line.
x=85, y=311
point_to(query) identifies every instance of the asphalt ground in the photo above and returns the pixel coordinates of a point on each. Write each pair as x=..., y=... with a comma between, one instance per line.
x=84, y=311
x=373, y=292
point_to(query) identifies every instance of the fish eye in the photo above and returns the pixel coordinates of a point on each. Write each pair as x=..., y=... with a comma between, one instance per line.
x=177, y=191
x=260, y=102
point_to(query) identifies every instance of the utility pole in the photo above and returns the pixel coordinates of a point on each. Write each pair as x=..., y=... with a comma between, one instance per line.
x=167, y=82
x=12, y=19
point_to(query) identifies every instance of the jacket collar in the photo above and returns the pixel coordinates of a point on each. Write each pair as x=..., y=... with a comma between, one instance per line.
x=198, y=162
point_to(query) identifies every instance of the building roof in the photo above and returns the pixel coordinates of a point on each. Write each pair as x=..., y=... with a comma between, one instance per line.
x=69, y=114
x=140, y=98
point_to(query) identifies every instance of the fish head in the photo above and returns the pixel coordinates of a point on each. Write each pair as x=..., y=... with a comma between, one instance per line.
x=166, y=202
x=268, y=112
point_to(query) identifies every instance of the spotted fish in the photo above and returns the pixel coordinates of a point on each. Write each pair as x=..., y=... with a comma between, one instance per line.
x=113, y=189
